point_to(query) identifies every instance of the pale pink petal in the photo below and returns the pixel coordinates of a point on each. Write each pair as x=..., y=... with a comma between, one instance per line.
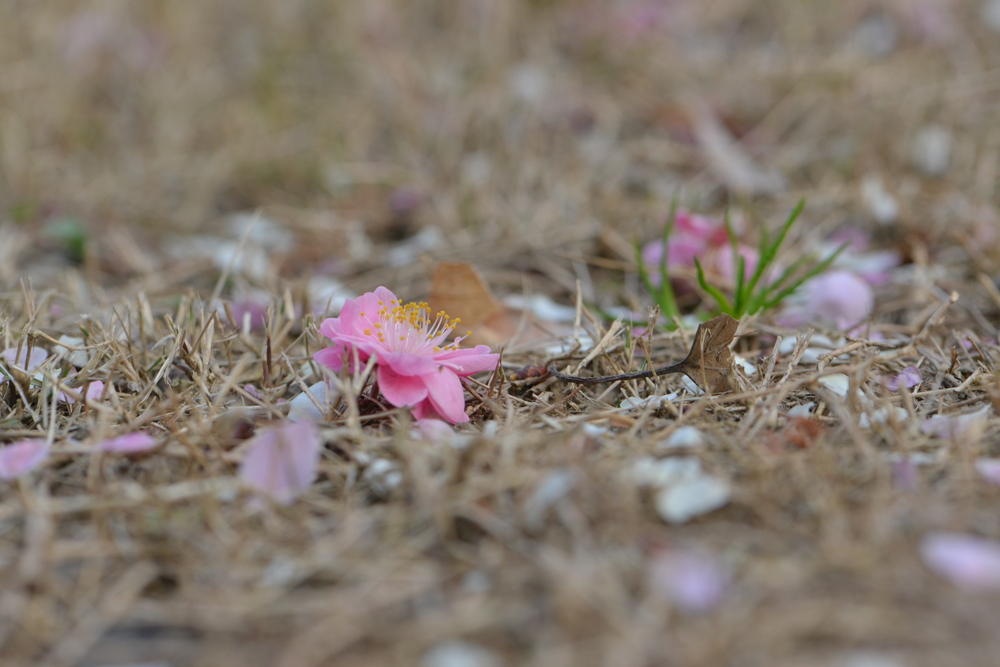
x=966, y=561
x=695, y=582
x=447, y=395
x=282, y=461
x=129, y=443
x=434, y=430
x=256, y=311
x=697, y=226
x=331, y=357
x=838, y=298
x=989, y=469
x=22, y=457
x=399, y=389
x=468, y=361
x=424, y=410
x=23, y=360
x=909, y=377
x=954, y=426
x=720, y=260
x=407, y=363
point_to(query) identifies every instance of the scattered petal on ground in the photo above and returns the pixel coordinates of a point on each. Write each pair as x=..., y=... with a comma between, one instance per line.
x=302, y=408
x=460, y=654
x=129, y=444
x=684, y=436
x=684, y=490
x=909, y=377
x=281, y=461
x=21, y=457
x=23, y=361
x=694, y=581
x=969, y=562
x=94, y=392
x=955, y=426
x=989, y=469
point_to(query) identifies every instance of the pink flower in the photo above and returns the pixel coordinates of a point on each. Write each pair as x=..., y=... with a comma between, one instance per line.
x=838, y=298
x=282, y=461
x=702, y=237
x=22, y=457
x=909, y=377
x=414, y=367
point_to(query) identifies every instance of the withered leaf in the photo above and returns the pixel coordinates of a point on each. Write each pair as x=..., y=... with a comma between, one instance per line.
x=709, y=364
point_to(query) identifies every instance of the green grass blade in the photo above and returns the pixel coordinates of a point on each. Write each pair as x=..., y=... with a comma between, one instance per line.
x=715, y=293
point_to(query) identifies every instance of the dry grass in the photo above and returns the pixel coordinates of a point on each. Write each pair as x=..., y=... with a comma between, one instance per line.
x=536, y=136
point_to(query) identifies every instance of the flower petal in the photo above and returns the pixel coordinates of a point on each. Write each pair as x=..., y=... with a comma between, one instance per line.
x=129, y=443
x=468, y=361
x=968, y=562
x=447, y=395
x=407, y=363
x=399, y=389
x=22, y=457
x=281, y=462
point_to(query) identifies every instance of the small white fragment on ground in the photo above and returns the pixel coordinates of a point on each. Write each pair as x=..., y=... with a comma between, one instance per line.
x=635, y=403
x=877, y=36
x=884, y=415
x=260, y=231
x=460, y=654
x=955, y=426
x=491, y=428
x=542, y=307
x=553, y=488
x=989, y=469
x=695, y=582
x=747, y=367
x=691, y=387
x=78, y=358
x=968, y=562
x=595, y=431
x=327, y=295
x=580, y=343
x=990, y=13
x=684, y=489
x=529, y=83
x=916, y=458
x=803, y=410
x=880, y=203
x=868, y=659
x=302, y=408
x=683, y=437
x=406, y=252
x=818, y=345
x=838, y=383
x=382, y=475
x=932, y=150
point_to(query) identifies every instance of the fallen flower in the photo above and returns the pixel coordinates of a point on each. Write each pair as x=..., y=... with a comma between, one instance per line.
x=22, y=457
x=414, y=367
x=698, y=236
x=129, y=443
x=969, y=562
x=282, y=461
x=837, y=298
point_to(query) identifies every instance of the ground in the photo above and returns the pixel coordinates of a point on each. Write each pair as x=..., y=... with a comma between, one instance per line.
x=188, y=188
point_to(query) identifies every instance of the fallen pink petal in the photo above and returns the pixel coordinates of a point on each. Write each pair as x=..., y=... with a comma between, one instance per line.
x=94, y=392
x=909, y=377
x=22, y=360
x=22, y=457
x=433, y=430
x=695, y=582
x=129, y=444
x=966, y=561
x=989, y=470
x=839, y=299
x=954, y=426
x=281, y=462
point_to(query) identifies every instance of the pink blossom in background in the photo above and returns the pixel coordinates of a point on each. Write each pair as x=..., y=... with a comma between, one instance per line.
x=23, y=360
x=695, y=582
x=837, y=298
x=909, y=377
x=414, y=366
x=281, y=462
x=128, y=444
x=969, y=562
x=702, y=237
x=252, y=310
x=22, y=457
x=95, y=390
x=989, y=469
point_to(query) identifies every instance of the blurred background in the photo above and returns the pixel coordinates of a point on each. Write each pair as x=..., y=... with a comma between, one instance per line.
x=537, y=138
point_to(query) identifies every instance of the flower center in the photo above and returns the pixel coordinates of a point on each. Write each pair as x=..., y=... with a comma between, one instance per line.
x=411, y=328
